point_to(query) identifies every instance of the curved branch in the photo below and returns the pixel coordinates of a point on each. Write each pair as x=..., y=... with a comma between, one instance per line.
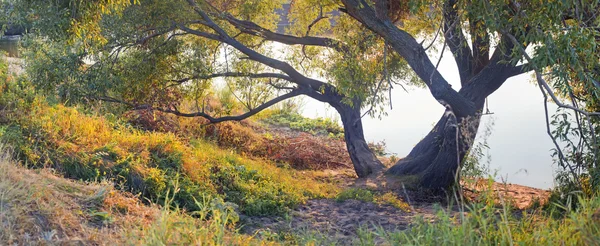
x=296, y=77
x=254, y=29
x=252, y=112
x=314, y=22
x=211, y=119
x=414, y=54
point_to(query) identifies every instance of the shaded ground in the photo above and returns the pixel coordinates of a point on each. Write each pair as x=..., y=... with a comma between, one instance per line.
x=329, y=218
x=342, y=221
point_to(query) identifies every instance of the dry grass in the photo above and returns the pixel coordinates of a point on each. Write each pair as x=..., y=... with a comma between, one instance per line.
x=37, y=207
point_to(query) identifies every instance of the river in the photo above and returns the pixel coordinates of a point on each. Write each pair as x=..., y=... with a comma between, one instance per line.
x=10, y=45
x=519, y=147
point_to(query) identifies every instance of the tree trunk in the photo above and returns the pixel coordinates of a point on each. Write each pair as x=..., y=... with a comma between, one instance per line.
x=363, y=159
x=435, y=160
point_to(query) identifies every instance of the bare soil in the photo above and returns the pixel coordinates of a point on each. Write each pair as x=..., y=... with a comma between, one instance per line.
x=341, y=221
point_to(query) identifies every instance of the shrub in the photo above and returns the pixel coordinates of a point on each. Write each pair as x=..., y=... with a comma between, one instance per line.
x=356, y=194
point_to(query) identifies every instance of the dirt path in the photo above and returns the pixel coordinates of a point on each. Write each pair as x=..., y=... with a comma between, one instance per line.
x=336, y=221
x=341, y=221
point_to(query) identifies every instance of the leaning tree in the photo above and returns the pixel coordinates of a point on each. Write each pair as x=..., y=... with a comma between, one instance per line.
x=342, y=52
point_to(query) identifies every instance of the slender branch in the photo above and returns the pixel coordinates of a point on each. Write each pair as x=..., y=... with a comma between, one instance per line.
x=200, y=33
x=314, y=22
x=254, y=29
x=542, y=82
x=233, y=74
x=561, y=156
x=252, y=112
x=155, y=34
x=211, y=119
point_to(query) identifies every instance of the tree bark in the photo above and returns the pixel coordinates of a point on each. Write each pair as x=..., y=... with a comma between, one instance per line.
x=435, y=160
x=364, y=161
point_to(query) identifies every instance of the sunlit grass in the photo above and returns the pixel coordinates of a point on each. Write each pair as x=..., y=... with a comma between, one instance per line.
x=89, y=147
x=38, y=208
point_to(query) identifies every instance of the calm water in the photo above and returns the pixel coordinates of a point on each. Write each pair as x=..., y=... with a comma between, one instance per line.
x=10, y=45
x=519, y=146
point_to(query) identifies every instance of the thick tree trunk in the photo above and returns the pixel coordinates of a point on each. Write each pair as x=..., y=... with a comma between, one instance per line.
x=363, y=159
x=435, y=160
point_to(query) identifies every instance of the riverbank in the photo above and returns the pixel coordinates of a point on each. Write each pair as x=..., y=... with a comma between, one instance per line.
x=15, y=65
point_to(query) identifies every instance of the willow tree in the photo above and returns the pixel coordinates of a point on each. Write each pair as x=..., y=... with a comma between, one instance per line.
x=347, y=53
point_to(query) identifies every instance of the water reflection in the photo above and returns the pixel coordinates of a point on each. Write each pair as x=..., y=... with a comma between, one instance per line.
x=10, y=45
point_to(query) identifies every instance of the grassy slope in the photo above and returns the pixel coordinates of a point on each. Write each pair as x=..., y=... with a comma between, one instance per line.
x=36, y=207
x=39, y=208
x=76, y=137
x=91, y=148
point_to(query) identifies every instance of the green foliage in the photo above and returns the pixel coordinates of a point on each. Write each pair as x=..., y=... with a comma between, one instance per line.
x=488, y=225
x=366, y=195
x=356, y=194
x=3, y=67
x=318, y=126
x=577, y=159
x=90, y=148
x=379, y=148
x=255, y=193
x=74, y=21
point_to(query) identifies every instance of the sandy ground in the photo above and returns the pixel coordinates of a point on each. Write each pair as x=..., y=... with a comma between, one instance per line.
x=15, y=65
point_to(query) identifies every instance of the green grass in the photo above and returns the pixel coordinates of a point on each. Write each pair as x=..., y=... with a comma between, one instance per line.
x=88, y=147
x=355, y=194
x=365, y=195
x=318, y=126
x=39, y=208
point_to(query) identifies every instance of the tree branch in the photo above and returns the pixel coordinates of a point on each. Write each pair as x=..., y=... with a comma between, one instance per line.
x=211, y=119
x=252, y=28
x=414, y=54
x=480, y=41
x=233, y=74
x=296, y=77
x=456, y=41
x=252, y=112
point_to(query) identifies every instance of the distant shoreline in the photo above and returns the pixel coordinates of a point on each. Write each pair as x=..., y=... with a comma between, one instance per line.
x=10, y=37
